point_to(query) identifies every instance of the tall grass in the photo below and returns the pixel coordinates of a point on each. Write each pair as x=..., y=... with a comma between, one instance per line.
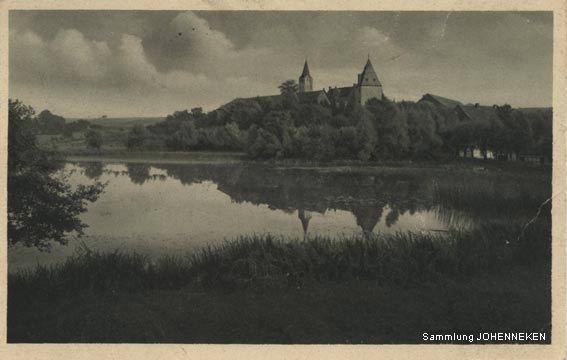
x=490, y=198
x=262, y=261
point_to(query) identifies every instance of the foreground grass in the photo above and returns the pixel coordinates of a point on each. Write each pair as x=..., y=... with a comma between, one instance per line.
x=385, y=289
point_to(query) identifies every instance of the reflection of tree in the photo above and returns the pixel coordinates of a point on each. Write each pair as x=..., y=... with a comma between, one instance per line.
x=138, y=173
x=392, y=217
x=364, y=193
x=93, y=170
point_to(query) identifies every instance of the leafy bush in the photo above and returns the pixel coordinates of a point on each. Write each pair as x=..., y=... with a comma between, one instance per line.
x=41, y=207
x=94, y=139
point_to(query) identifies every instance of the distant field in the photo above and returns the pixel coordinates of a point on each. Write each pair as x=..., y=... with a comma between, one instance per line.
x=114, y=140
x=123, y=122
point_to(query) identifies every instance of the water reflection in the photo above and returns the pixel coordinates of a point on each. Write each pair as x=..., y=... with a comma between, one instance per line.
x=363, y=193
x=92, y=170
x=171, y=208
x=304, y=217
x=138, y=173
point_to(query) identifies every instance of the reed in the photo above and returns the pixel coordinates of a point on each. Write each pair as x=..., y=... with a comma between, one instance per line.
x=264, y=289
x=260, y=261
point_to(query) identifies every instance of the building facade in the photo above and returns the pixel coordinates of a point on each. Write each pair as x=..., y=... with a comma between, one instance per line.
x=367, y=87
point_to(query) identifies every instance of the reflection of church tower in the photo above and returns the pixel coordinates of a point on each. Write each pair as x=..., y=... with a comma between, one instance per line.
x=304, y=217
x=305, y=80
x=367, y=217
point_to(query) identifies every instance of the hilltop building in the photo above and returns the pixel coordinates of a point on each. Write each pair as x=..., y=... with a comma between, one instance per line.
x=467, y=112
x=367, y=87
x=368, y=84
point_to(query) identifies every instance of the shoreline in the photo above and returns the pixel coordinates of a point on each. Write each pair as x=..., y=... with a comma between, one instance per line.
x=232, y=158
x=158, y=156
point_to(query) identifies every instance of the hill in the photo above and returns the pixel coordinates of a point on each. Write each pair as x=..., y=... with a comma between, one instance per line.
x=531, y=110
x=123, y=122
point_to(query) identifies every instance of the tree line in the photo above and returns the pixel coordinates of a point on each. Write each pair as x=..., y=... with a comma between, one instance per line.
x=282, y=127
x=52, y=124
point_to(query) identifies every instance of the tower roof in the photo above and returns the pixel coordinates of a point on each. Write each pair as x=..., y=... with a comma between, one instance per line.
x=305, y=72
x=368, y=76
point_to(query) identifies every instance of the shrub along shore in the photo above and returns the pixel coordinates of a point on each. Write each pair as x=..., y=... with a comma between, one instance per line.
x=262, y=289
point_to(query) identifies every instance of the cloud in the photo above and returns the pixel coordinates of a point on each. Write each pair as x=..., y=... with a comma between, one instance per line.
x=68, y=58
x=153, y=63
x=70, y=71
x=78, y=57
x=186, y=43
x=187, y=59
x=71, y=58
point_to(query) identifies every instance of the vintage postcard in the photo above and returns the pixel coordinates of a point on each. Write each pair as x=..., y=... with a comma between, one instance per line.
x=294, y=180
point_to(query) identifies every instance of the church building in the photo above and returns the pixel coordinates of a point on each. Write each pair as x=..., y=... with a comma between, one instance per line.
x=367, y=87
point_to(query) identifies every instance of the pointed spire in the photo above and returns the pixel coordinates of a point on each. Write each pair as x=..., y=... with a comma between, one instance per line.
x=305, y=70
x=368, y=75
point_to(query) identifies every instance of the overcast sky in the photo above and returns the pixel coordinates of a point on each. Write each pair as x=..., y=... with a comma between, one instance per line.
x=150, y=63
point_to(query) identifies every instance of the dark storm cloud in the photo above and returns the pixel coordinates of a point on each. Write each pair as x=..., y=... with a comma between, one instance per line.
x=85, y=63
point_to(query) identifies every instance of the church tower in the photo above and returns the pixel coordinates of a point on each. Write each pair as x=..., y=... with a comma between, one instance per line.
x=369, y=85
x=305, y=80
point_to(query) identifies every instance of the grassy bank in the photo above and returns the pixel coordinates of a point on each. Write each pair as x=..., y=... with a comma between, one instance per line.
x=383, y=289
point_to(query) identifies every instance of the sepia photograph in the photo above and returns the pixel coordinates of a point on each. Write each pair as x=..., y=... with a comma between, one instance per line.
x=280, y=177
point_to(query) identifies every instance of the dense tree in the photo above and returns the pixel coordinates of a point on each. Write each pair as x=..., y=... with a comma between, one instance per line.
x=288, y=87
x=94, y=139
x=41, y=206
x=424, y=141
x=365, y=135
x=521, y=136
x=243, y=113
x=541, y=124
x=347, y=142
x=75, y=126
x=136, y=137
x=263, y=144
x=311, y=114
x=50, y=123
x=185, y=138
x=282, y=127
x=391, y=129
x=459, y=137
x=171, y=123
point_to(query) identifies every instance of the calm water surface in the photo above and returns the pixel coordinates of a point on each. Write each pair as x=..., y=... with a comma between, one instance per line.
x=175, y=209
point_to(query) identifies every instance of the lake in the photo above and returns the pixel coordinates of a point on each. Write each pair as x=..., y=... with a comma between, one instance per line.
x=174, y=209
